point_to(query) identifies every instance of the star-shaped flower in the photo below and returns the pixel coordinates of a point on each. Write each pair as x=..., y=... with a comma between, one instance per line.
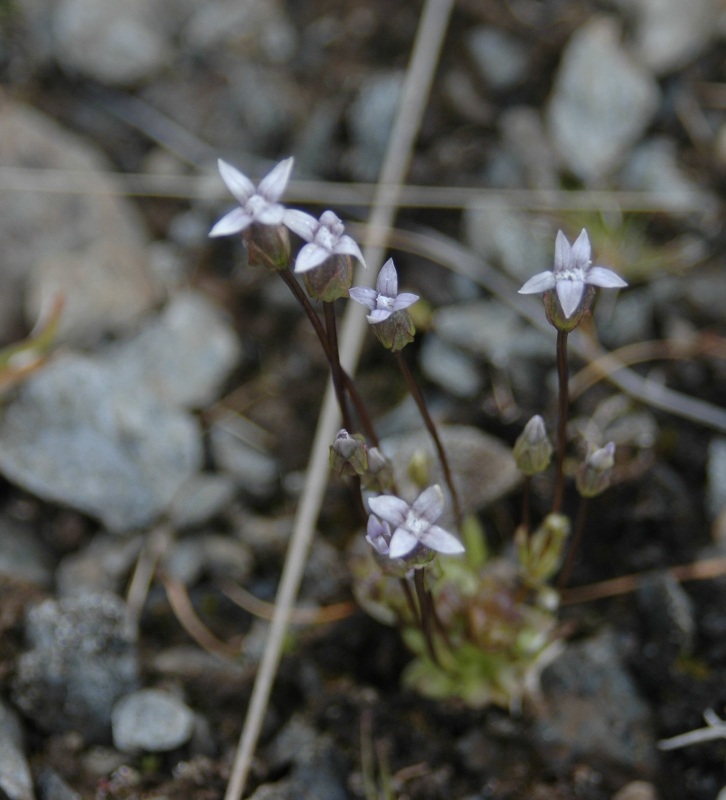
x=325, y=238
x=571, y=273
x=384, y=300
x=256, y=204
x=414, y=524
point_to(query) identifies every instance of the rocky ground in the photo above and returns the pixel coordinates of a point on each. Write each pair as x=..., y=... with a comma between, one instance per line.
x=153, y=464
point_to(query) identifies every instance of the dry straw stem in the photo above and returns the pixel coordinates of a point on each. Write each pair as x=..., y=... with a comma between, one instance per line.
x=350, y=195
x=429, y=38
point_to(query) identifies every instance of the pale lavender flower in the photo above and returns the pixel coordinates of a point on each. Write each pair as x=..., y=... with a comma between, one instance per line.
x=414, y=524
x=378, y=535
x=325, y=238
x=257, y=204
x=384, y=300
x=571, y=273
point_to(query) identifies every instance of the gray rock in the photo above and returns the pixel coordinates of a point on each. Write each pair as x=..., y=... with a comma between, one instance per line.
x=371, y=120
x=82, y=658
x=182, y=356
x=590, y=709
x=492, y=331
x=201, y=498
x=103, y=565
x=87, y=246
x=256, y=471
x=670, y=33
x=22, y=553
x=653, y=167
x=453, y=370
x=52, y=787
x=522, y=133
x=259, y=29
x=716, y=477
x=78, y=435
x=512, y=238
x=501, y=60
x=218, y=556
x=116, y=43
x=16, y=782
x=602, y=101
x=483, y=467
x=152, y=721
x=317, y=768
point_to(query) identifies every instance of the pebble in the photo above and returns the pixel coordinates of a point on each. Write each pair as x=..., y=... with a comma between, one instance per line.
x=590, y=709
x=257, y=29
x=451, y=369
x=483, y=466
x=77, y=434
x=82, y=658
x=256, y=471
x=201, y=498
x=602, y=101
x=88, y=246
x=23, y=554
x=500, y=59
x=716, y=477
x=671, y=33
x=182, y=355
x=16, y=781
x=208, y=554
x=371, y=120
x=52, y=787
x=104, y=564
x=151, y=720
x=113, y=43
x=520, y=244
x=492, y=331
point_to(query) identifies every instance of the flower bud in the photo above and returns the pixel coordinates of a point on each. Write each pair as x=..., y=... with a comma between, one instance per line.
x=267, y=246
x=379, y=477
x=557, y=317
x=593, y=476
x=348, y=454
x=331, y=280
x=395, y=332
x=532, y=450
x=540, y=553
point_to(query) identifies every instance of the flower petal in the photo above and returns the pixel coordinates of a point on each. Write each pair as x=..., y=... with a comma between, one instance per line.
x=540, y=282
x=570, y=294
x=387, y=283
x=379, y=315
x=404, y=300
x=310, y=256
x=441, y=540
x=402, y=543
x=429, y=505
x=581, y=251
x=602, y=276
x=389, y=508
x=270, y=214
x=348, y=246
x=273, y=184
x=364, y=295
x=233, y=222
x=562, y=253
x=238, y=184
x=304, y=225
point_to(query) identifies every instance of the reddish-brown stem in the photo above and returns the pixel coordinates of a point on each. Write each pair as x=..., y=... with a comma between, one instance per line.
x=562, y=375
x=424, y=603
x=575, y=545
x=429, y=423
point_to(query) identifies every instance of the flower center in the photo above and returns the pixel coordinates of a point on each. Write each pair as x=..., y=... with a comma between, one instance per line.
x=385, y=303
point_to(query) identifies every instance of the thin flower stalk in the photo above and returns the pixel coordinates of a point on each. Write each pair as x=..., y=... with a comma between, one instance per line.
x=562, y=412
x=431, y=428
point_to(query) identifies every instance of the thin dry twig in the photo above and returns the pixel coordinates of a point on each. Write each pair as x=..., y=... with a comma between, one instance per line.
x=429, y=38
x=298, y=616
x=706, y=569
x=182, y=607
x=157, y=542
x=715, y=729
x=350, y=195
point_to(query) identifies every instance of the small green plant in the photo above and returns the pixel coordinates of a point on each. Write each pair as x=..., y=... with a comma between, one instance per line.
x=480, y=628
